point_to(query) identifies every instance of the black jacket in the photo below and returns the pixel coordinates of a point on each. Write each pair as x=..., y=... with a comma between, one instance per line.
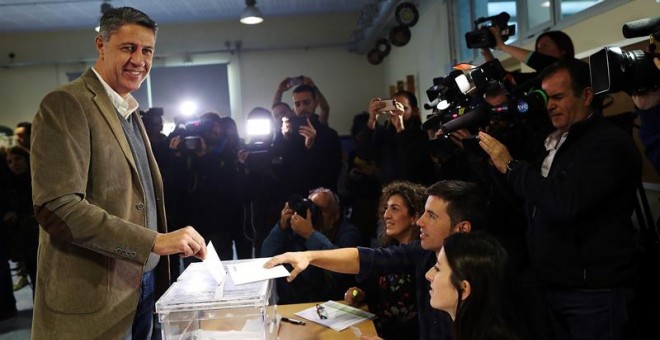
x=301, y=169
x=401, y=155
x=580, y=233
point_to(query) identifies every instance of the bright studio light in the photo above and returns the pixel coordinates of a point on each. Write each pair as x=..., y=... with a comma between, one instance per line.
x=258, y=127
x=188, y=108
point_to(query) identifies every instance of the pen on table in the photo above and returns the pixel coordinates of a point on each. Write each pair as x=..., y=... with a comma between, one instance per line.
x=293, y=321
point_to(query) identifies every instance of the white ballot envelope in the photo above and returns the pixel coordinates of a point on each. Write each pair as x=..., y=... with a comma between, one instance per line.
x=253, y=270
x=242, y=271
x=214, y=265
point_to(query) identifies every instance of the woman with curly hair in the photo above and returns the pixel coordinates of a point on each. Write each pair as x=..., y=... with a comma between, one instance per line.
x=392, y=297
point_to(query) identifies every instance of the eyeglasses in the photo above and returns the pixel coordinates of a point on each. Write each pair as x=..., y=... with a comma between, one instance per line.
x=320, y=310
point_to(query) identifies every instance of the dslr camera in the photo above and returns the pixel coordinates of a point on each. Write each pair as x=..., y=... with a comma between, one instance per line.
x=300, y=205
x=613, y=70
x=482, y=37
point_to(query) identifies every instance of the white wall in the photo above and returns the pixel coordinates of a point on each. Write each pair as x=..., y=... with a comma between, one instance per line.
x=346, y=80
x=21, y=90
x=427, y=54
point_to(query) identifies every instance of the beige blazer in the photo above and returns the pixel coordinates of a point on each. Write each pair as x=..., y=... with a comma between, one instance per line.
x=89, y=202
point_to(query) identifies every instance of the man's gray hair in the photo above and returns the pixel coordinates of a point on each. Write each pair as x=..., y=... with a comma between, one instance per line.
x=114, y=18
x=334, y=199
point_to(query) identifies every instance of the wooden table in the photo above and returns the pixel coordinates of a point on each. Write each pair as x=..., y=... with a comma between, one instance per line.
x=313, y=330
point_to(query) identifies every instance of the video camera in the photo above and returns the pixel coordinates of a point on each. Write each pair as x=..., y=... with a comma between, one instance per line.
x=535, y=101
x=481, y=79
x=482, y=37
x=479, y=115
x=452, y=97
x=457, y=103
x=464, y=81
x=445, y=92
x=260, y=133
x=613, y=70
x=191, y=136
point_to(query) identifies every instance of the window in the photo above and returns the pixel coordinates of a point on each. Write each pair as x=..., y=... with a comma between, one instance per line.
x=539, y=13
x=571, y=7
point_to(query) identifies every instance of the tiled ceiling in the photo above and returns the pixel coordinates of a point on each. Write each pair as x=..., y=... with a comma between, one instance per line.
x=46, y=15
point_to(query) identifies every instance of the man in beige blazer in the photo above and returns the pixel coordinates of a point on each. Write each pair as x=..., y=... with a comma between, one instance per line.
x=98, y=197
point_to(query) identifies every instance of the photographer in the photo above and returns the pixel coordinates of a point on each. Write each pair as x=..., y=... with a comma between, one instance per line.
x=399, y=147
x=321, y=227
x=208, y=177
x=549, y=48
x=646, y=315
x=648, y=109
x=153, y=124
x=310, y=151
x=579, y=201
x=287, y=83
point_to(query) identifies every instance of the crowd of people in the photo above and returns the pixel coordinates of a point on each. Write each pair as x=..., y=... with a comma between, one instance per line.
x=532, y=242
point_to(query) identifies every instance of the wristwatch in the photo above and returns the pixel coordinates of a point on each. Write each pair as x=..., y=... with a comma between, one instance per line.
x=509, y=166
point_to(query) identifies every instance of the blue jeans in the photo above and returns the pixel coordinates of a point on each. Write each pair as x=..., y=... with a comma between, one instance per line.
x=603, y=314
x=143, y=321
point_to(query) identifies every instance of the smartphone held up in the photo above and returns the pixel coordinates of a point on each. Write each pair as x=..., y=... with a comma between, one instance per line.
x=390, y=105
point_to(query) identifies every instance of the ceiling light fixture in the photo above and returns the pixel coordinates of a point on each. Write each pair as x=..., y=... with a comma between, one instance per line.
x=251, y=15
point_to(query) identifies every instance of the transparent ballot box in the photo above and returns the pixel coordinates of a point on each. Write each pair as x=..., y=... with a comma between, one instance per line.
x=196, y=307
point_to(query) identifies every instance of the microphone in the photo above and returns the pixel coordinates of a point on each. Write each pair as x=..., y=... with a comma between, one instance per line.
x=641, y=27
x=476, y=117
